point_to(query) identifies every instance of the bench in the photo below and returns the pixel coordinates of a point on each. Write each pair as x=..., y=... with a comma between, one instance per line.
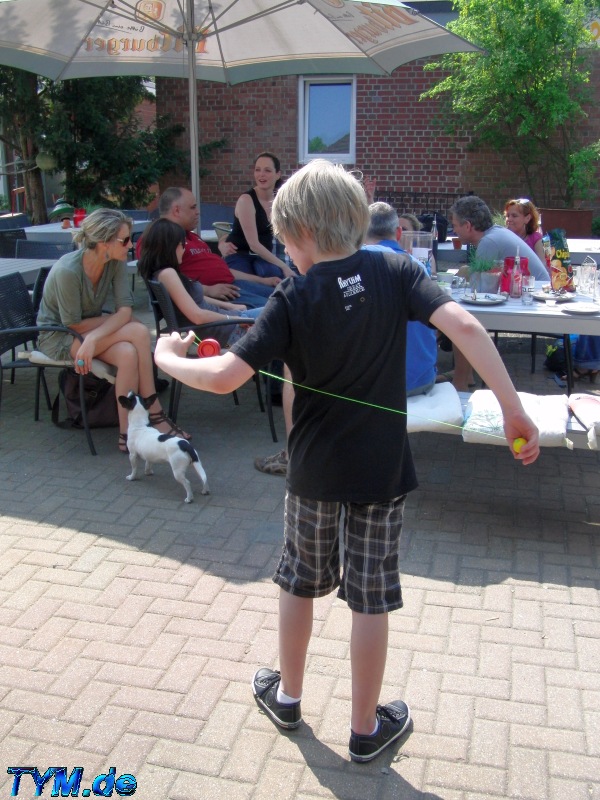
x=476, y=417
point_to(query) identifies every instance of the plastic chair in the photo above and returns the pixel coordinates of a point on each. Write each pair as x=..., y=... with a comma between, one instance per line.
x=28, y=249
x=18, y=327
x=166, y=321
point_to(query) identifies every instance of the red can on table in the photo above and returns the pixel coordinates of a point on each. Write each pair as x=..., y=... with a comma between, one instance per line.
x=78, y=216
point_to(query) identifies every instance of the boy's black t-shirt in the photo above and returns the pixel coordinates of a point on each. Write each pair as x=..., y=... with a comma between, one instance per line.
x=341, y=329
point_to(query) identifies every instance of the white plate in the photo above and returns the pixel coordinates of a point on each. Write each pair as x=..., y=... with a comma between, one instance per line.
x=484, y=300
x=560, y=298
x=582, y=308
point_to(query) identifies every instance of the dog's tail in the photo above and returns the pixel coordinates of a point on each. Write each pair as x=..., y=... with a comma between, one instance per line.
x=188, y=447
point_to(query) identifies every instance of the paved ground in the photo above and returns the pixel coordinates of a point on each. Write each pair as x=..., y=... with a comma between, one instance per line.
x=131, y=624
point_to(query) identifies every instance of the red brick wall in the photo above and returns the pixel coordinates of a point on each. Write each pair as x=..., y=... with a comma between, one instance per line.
x=398, y=140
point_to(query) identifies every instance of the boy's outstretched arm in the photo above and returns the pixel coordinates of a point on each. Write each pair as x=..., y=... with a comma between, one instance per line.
x=219, y=374
x=473, y=341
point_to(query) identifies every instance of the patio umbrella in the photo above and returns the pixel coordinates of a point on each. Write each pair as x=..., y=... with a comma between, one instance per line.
x=230, y=41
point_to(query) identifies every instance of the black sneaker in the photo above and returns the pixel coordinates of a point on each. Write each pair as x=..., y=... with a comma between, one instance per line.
x=264, y=687
x=393, y=720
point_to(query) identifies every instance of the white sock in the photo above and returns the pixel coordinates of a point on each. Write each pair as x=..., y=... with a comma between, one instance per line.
x=373, y=732
x=285, y=699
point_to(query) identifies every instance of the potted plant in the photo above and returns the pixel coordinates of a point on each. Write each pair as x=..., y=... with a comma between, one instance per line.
x=484, y=274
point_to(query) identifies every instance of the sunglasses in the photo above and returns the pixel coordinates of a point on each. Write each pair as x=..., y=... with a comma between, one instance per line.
x=125, y=241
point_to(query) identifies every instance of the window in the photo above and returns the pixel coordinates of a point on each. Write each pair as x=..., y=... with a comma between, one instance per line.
x=327, y=119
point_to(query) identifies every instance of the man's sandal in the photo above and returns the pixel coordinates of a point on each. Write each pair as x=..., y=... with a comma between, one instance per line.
x=158, y=417
x=123, y=444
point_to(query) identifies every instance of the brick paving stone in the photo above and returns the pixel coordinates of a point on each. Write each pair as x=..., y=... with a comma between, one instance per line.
x=549, y=739
x=489, y=743
x=528, y=774
x=89, y=703
x=185, y=757
x=246, y=757
x=575, y=790
x=48, y=730
x=75, y=677
x=191, y=787
x=106, y=730
x=166, y=726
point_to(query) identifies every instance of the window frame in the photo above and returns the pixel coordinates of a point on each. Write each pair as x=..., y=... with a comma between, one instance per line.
x=304, y=84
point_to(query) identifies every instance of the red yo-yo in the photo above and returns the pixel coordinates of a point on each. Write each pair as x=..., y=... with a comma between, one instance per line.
x=208, y=348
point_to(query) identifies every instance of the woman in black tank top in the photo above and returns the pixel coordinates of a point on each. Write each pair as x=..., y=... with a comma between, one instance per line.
x=249, y=246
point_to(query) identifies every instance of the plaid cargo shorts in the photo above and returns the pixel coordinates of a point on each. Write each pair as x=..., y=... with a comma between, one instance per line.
x=311, y=563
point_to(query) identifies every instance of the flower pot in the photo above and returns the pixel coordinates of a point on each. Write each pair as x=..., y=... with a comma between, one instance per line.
x=485, y=282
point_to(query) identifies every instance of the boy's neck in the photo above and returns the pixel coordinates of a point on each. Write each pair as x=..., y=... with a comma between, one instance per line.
x=320, y=257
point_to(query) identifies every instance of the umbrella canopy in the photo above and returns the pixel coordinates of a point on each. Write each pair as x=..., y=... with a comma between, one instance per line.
x=230, y=41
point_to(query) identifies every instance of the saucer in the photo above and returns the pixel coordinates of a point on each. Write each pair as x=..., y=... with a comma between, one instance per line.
x=582, y=308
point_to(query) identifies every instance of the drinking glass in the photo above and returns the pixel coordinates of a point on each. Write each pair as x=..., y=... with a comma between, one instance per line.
x=526, y=297
x=576, y=278
x=587, y=276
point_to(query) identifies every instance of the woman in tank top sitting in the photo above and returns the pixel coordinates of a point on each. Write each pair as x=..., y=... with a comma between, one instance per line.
x=249, y=246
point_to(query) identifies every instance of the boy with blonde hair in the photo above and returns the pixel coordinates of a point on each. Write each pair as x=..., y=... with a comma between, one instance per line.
x=341, y=329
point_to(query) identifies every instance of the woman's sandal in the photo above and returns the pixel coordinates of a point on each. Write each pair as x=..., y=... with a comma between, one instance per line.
x=123, y=443
x=158, y=417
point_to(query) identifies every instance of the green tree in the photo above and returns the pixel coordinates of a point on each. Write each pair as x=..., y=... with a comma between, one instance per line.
x=94, y=132
x=20, y=120
x=526, y=93
x=91, y=128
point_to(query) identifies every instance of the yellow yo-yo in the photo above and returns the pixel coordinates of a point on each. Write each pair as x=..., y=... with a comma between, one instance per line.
x=518, y=444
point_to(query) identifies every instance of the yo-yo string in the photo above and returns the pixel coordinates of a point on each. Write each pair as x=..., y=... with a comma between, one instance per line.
x=365, y=403
x=374, y=405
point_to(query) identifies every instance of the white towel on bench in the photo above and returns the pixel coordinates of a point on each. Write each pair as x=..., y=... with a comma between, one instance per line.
x=438, y=411
x=484, y=423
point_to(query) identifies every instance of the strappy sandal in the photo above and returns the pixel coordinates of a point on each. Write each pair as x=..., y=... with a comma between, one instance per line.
x=156, y=418
x=123, y=444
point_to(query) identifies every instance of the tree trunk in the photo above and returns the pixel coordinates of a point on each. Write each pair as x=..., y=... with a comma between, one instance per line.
x=34, y=187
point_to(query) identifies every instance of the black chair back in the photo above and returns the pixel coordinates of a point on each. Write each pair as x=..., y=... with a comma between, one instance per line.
x=28, y=249
x=38, y=288
x=162, y=303
x=8, y=241
x=14, y=221
x=16, y=311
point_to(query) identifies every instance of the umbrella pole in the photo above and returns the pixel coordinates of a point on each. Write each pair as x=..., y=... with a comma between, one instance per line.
x=193, y=105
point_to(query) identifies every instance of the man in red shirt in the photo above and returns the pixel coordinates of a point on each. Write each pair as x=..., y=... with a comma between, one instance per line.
x=201, y=264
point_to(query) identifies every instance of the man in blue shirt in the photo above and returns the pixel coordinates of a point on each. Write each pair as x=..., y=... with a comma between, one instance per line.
x=421, y=346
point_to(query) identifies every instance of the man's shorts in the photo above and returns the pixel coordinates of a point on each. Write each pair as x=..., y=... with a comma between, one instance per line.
x=311, y=565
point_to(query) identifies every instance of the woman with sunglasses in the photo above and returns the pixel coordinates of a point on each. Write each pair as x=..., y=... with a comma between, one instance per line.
x=523, y=218
x=75, y=292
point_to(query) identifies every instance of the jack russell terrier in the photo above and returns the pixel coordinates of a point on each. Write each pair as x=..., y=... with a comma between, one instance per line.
x=145, y=442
